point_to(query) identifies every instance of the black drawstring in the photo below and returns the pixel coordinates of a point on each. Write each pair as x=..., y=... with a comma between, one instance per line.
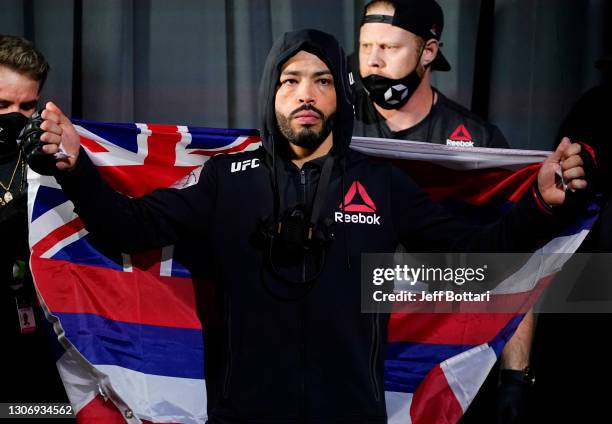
x=275, y=189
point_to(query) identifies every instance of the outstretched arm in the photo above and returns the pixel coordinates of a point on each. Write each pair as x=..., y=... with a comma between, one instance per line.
x=425, y=224
x=158, y=219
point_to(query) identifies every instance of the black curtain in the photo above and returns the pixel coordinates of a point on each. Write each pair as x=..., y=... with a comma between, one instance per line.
x=519, y=63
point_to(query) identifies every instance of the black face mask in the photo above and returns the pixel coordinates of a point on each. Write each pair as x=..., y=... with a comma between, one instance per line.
x=391, y=93
x=11, y=125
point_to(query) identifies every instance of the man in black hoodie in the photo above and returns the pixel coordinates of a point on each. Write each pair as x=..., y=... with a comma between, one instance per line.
x=286, y=240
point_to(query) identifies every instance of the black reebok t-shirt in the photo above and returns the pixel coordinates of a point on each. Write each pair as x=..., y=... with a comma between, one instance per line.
x=448, y=123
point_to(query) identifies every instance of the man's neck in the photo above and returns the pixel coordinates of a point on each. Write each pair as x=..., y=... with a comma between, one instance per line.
x=302, y=155
x=414, y=111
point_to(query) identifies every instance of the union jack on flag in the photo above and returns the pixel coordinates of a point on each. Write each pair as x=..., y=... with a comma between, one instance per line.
x=132, y=344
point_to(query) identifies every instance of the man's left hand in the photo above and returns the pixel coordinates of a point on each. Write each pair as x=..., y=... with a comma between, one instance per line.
x=567, y=160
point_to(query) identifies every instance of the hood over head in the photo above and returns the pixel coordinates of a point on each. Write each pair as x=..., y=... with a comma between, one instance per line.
x=326, y=48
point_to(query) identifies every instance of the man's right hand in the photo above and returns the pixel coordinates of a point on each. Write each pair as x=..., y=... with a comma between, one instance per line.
x=59, y=131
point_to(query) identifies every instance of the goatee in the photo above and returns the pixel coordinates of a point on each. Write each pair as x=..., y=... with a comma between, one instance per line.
x=307, y=138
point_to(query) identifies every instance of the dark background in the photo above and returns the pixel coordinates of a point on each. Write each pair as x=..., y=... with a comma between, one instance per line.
x=519, y=63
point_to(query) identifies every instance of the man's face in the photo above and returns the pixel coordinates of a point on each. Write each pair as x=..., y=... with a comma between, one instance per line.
x=18, y=93
x=305, y=100
x=386, y=50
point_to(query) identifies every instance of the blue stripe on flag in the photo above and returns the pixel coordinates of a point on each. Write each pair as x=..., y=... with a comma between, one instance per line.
x=166, y=351
x=46, y=199
x=584, y=223
x=179, y=270
x=208, y=141
x=83, y=252
x=498, y=343
x=228, y=132
x=122, y=135
x=407, y=364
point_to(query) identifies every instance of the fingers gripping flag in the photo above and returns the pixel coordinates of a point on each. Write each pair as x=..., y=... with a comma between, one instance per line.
x=132, y=342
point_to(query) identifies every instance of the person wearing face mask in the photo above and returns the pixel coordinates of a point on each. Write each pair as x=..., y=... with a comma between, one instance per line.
x=399, y=48
x=26, y=352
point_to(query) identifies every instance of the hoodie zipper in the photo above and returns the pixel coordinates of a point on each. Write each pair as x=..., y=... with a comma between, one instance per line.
x=302, y=359
x=304, y=200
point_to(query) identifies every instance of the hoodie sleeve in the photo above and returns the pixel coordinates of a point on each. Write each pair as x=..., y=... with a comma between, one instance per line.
x=135, y=224
x=427, y=226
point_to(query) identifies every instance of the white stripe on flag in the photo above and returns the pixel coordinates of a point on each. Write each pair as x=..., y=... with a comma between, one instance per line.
x=63, y=243
x=545, y=261
x=165, y=267
x=50, y=220
x=398, y=407
x=80, y=385
x=115, y=155
x=467, y=371
x=448, y=156
x=127, y=262
x=159, y=398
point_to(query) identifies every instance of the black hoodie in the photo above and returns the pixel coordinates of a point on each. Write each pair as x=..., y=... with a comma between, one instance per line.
x=316, y=358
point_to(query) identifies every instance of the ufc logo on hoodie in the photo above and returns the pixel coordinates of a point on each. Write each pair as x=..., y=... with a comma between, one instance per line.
x=244, y=165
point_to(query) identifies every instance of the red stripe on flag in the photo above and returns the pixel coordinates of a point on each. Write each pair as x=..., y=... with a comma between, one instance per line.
x=57, y=235
x=162, y=144
x=446, y=328
x=476, y=187
x=99, y=411
x=434, y=401
x=137, y=296
x=463, y=327
x=158, y=169
x=92, y=146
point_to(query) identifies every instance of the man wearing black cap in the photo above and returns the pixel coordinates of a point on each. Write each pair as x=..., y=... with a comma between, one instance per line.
x=23, y=71
x=399, y=47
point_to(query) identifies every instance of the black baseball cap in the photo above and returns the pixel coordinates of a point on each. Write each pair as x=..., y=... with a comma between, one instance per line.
x=420, y=17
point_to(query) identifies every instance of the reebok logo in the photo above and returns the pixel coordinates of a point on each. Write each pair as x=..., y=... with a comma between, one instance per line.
x=359, y=218
x=244, y=165
x=358, y=207
x=461, y=137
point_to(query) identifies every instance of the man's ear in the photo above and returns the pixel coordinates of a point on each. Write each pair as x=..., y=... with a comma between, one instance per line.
x=430, y=51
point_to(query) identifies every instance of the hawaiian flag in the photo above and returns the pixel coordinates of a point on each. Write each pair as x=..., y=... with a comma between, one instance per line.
x=131, y=342
x=437, y=362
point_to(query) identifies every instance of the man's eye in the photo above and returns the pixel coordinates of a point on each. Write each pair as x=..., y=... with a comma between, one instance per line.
x=289, y=81
x=325, y=81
